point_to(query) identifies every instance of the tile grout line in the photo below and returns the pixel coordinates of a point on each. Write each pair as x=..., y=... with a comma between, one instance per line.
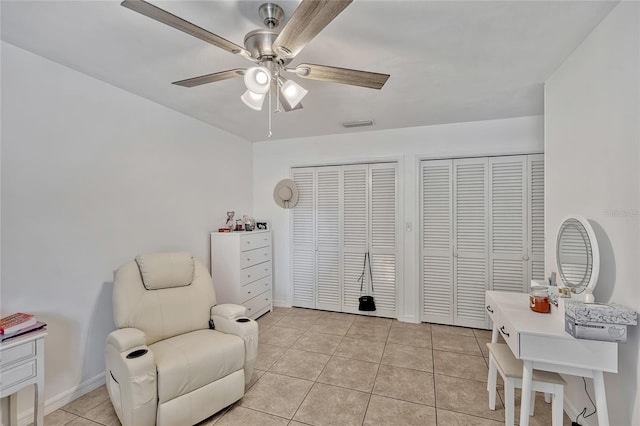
x=376, y=377
x=314, y=382
x=433, y=366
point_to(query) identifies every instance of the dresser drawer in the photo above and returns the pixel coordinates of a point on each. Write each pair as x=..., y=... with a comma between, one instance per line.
x=258, y=303
x=254, y=241
x=253, y=273
x=18, y=374
x=17, y=353
x=491, y=309
x=251, y=290
x=509, y=334
x=255, y=256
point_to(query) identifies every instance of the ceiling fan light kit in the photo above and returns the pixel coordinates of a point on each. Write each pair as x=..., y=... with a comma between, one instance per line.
x=271, y=51
x=293, y=92
x=253, y=100
x=258, y=79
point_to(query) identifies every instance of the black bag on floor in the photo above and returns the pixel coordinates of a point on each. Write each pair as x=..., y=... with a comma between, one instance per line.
x=366, y=303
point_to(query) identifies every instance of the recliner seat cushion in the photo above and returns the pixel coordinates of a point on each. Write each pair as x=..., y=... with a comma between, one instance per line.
x=189, y=361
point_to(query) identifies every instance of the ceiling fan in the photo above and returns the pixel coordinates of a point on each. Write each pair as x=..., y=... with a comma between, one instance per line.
x=271, y=52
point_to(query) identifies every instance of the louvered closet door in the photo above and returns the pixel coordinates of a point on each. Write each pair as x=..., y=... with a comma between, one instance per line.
x=470, y=241
x=382, y=237
x=536, y=216
x=437, y=241
x=303, y=239
x=355, y=225
x=508, y=257
x=328, y=220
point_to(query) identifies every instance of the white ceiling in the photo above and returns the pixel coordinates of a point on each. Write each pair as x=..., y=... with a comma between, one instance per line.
x=450, y=61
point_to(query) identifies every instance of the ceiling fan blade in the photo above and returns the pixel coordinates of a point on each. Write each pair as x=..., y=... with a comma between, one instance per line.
x=210, y=78
x=161, y=15
x=372, y=80
x=307, y=21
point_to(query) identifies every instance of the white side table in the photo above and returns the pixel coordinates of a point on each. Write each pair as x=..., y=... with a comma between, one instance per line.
x=22, y=364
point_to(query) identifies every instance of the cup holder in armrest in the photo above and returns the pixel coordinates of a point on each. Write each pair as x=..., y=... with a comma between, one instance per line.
x=137, y=354
x=243, y=320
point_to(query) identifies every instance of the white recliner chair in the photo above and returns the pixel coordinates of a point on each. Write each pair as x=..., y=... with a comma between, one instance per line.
x=167, y=363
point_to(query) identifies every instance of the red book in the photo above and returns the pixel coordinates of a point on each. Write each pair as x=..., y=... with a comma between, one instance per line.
x=16, y=322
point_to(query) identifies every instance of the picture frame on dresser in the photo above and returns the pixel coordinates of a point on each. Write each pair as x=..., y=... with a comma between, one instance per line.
x=242, y=270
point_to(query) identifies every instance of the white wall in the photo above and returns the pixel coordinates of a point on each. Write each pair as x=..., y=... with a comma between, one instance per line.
x=592, y=154
x=91, y=177
x=272, y=162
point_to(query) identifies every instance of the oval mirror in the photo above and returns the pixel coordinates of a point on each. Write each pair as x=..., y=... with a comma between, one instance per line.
x=577, y=254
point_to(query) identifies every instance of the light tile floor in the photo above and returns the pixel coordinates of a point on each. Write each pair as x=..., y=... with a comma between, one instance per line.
x=327, y=368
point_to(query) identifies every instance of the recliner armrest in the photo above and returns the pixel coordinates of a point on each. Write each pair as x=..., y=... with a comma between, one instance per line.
x=125, y=339
x=131, y=377
x=228, y=311
x=231, y=319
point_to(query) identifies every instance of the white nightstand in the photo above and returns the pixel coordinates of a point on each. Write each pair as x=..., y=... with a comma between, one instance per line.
x=22, y=364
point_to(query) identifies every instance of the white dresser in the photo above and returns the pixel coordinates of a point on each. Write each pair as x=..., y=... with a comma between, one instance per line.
x=22, y=364
x=241, y=269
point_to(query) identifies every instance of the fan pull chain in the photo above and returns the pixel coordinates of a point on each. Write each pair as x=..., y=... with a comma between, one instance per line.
x=277, y=92
x=270, y=133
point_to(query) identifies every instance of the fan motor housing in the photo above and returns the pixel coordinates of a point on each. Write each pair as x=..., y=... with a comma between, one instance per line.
x=259, y=42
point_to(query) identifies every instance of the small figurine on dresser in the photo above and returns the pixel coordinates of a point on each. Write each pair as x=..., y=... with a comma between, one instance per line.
x=230, y=216
x=228, y=227
x=248, y=223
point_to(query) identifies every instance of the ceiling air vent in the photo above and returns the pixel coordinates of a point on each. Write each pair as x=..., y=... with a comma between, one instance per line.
x=361, y=123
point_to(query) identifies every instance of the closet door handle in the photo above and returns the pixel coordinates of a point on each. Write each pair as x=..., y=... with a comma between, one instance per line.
x=455, y=254
x=525, y=257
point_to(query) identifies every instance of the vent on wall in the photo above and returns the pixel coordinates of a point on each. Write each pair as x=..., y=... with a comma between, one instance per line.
x=361, y=123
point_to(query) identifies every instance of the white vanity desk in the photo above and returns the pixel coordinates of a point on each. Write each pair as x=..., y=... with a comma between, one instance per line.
x=540, y=341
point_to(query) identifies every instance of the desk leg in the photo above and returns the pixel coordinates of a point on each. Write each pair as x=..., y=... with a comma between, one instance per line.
x=494, y=339
x=38, y=403
x=601, y=398
x=525, y=403
x=13, y=409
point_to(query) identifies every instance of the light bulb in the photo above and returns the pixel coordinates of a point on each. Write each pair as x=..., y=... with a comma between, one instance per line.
x=261, y=77
x=258, y=79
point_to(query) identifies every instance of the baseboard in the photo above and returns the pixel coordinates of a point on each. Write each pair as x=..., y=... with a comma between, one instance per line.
x=572, y=412
x=62, y=399
x=409, y=318
x=280, y=303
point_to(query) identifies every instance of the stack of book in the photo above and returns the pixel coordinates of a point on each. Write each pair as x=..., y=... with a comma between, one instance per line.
x=18, y=324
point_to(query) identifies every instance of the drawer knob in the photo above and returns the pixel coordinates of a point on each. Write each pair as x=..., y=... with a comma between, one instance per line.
x=248, y=292
x=489, y=309
x=503, y=331
x=248, y=275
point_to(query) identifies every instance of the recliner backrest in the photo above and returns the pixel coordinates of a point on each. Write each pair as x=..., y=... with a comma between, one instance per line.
x=161, y=310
